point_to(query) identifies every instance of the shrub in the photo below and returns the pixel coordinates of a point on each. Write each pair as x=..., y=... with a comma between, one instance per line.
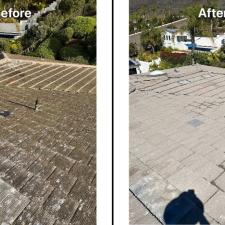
x=209, y=59
x=66, y=35
x=10, y=46
x=73, y=54
x=90, y=8
x=4, y=45
x=48, y=49
x=148, y=57
x=79, y=59
x=90, y=42
x=165, y=65
x=83, y=26
x=67, y=6
x=16, y=47
x=133, y=51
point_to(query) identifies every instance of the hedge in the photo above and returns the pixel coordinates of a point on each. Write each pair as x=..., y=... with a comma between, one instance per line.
x=48, y=49
x=74, y=54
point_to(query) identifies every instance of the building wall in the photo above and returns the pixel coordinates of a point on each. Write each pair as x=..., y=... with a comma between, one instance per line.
x=172, y=42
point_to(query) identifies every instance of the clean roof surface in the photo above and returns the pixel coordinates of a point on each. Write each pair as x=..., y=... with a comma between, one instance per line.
x=177, y=139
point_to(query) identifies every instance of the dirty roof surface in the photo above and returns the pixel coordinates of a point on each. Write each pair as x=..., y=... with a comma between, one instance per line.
x=47, y=146
x=177, y=139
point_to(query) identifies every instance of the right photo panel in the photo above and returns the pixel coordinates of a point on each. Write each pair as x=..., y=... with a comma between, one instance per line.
x=177, y=112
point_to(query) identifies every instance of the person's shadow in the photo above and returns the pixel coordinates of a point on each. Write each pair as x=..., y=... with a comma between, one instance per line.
x=187, y=208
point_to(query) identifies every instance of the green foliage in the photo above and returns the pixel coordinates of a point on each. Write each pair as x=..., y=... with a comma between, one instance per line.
x=65, y=5
x=10, y=46
x=133, y=51
x=151, y=39
x=79, y=59
x=55, y=33
x=209, y=59
x=4, y=45
x=82, y=26
x=171, y=60
x=165, y=65
x=69, y=6
x=66, y=35
x=16, y=48
x=148, y=57
x=90, y=8
x=48, y=49
x=36, y=6
x=25, y=4
x=46, y=27
x=193, y=22
x=74, y=54
x=90, y=42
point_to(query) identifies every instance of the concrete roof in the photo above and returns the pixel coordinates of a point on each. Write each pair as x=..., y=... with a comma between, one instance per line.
x=177, y=139
x=47, y=143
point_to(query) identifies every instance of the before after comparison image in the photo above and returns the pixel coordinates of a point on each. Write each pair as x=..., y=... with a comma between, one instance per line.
x=112, y=112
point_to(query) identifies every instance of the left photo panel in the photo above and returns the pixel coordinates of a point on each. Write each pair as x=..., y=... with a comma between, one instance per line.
x=48, y=112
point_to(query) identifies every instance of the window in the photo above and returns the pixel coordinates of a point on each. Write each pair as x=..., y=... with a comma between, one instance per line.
x=223, y=42
x=181, y=38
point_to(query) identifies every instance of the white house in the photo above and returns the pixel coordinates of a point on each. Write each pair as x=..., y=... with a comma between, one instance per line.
x=182, y=40
x=176, y=39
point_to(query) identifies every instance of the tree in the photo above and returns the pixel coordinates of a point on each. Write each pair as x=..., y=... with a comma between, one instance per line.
x=48, y=49
x=90, y=8
x=69, y=6
x=83, y=26
x=66, y=35
x=193, y=22
x=151, y=39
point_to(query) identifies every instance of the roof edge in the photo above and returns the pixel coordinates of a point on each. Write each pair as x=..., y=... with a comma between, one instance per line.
x=22, y=58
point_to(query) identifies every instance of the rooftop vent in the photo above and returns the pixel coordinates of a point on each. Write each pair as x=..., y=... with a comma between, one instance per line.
x=157, y=73
x=4, y=113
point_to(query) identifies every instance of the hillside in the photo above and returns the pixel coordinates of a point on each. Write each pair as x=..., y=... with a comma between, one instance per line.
x=174, y=5
x=66, y=33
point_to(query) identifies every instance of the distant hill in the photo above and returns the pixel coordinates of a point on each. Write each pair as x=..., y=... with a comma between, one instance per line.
x=174, y=5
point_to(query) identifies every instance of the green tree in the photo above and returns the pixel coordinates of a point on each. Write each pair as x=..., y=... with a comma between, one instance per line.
x=69, y=6
x=90, y=8
x=83, y=26
x=48, y=49
x=151, y=39
x=66, y=35
x=193, y=22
